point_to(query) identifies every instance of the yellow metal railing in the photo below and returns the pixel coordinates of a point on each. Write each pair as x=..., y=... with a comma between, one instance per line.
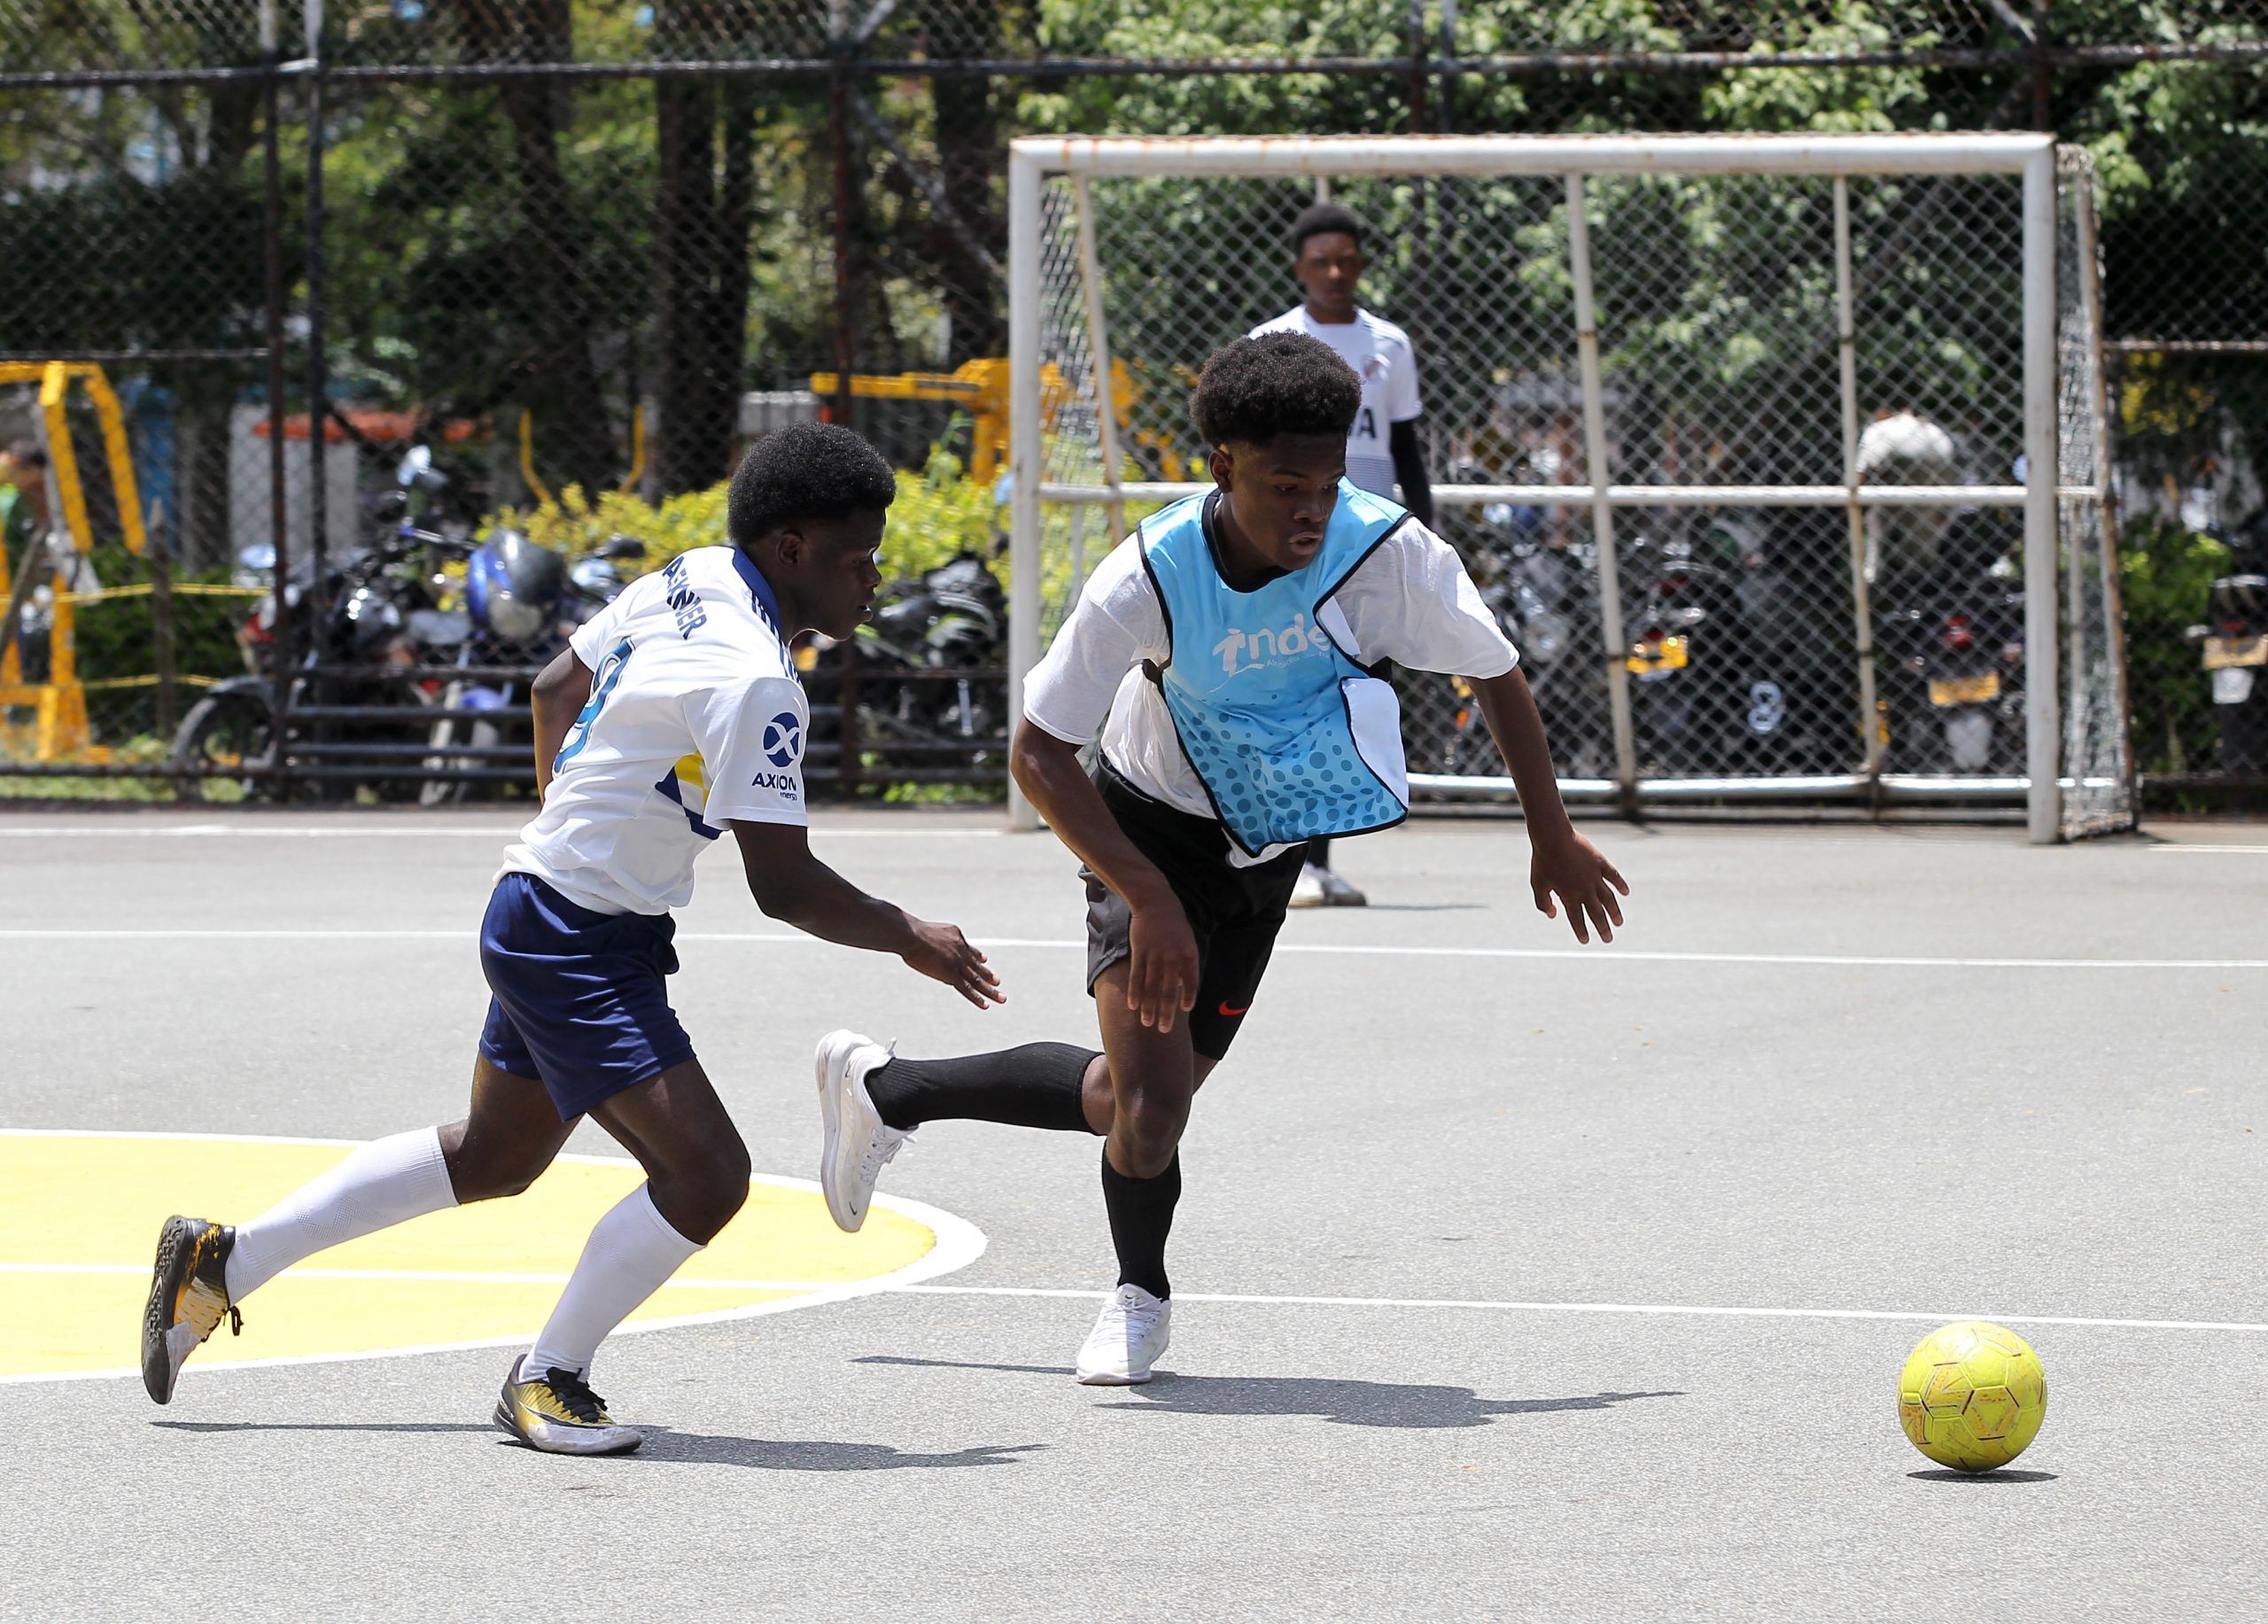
x=60, y=730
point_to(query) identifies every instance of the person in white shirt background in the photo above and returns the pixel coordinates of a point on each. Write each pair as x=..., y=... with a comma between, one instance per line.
x=1382, y=450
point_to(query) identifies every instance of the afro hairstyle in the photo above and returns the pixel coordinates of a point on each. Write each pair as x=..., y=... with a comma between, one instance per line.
x=1318, y=218
x=1279, y=383
x=807, y=470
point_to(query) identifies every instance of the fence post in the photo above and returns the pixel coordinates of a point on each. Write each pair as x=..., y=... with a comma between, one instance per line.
x=161, y=629
x=1610, y=565
x=1026, y=451
x=318, y=363
x=279, y=528
x=846, y=722
x=838, y=145
x=1862, y=612
x=2041, y=580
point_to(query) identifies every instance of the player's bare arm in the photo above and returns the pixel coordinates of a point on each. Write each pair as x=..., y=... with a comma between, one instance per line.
x=1162, y=970
x=561, y=691
x=1566, y=866
x=793, y=887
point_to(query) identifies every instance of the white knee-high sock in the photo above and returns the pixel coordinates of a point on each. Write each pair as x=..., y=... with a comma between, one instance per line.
x=387, y=1182
x=631, y=1251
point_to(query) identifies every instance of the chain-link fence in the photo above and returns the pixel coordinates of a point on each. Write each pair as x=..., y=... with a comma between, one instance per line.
x=586, y=250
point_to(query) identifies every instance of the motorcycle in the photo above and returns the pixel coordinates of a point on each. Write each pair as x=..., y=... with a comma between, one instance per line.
x=522, y=602
x=2233, y=643
x=932, y=682
x=355, y=692
x=1544, y=637
x=1545, y=596
x=1963, y=644
x=1727, y=672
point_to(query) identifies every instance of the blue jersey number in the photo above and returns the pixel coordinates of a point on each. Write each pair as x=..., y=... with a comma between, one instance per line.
x=602, y=682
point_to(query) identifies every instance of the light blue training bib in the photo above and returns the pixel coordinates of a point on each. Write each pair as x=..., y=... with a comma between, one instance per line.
x=1293, y=738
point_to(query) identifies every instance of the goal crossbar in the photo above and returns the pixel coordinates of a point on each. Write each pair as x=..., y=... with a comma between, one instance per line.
x=1096, y=156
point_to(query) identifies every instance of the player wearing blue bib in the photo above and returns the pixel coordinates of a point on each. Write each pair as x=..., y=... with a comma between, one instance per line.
x=673, y=716
x=1228, y=652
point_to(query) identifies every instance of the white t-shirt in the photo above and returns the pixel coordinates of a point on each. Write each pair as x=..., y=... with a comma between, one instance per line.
x=1379, y=353
x=1409, y=602
x=695, y=719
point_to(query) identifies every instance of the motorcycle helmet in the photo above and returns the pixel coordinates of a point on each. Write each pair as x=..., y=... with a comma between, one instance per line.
x=512, y=584
x=372, y=622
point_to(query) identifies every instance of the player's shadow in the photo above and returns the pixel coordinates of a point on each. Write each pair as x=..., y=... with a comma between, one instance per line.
x=768, y=1455
x=1342, y=1401
x=323, y=1427
x=1947, y=1474
x=667, y=1444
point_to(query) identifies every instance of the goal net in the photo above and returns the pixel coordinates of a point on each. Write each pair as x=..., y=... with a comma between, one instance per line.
x=1781, y=459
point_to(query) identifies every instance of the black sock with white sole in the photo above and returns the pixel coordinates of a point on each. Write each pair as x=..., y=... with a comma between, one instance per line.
x=1141, y=1217
x=1037, y=1086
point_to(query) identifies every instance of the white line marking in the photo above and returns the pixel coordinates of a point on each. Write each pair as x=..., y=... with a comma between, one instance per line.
x=1580, y=955
x=2250, y=851
x=1458, y=1304
x=439, y=1276
x=1695, y=1310
x=217, y=831
x=960, y=1243
x=1603, y=955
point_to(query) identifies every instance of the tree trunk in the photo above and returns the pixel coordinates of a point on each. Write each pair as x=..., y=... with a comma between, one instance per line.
x=705, y=207
x=572, y=435
x=206, y=396
x=970, y=153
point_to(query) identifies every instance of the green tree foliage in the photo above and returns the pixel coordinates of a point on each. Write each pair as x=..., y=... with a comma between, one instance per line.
x=2167, y=572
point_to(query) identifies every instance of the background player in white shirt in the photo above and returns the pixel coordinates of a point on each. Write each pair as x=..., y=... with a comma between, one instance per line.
x=1382, y=448
x=673, y=716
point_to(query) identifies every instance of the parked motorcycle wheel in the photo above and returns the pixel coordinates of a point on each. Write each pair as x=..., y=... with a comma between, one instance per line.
x=222, y=733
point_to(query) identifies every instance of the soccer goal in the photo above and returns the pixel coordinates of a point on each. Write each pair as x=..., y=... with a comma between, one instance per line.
x=1782, y=459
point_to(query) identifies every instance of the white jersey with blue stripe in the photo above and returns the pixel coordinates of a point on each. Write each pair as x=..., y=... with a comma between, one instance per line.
x=695, y=720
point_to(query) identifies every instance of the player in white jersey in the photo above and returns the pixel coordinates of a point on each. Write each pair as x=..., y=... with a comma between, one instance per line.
x=671, y=718
x=1382, y=449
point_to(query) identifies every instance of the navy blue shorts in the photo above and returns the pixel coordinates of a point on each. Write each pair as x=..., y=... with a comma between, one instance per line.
x=579, y=1001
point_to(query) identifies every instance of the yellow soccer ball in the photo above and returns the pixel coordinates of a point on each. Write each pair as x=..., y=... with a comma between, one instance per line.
x=1972, y=1395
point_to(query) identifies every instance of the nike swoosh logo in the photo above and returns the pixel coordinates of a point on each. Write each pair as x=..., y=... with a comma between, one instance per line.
x=1227, y=1011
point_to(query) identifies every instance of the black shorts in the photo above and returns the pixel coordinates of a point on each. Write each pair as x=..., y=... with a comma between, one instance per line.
x=1234, y=911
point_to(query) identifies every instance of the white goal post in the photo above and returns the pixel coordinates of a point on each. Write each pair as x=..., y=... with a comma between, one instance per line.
x=1662, y=356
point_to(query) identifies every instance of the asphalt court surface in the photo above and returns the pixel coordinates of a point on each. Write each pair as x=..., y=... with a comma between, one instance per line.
x=1513, y=1279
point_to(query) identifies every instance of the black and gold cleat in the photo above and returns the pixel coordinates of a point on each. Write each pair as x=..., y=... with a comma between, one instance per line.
x=188, y=1297
x=560, y=1415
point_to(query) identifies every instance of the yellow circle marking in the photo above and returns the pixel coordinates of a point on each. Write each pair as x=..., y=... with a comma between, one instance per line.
x=79, y=1218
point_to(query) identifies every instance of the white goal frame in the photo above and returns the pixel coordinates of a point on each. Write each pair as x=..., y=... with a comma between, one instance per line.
x=1034, y=160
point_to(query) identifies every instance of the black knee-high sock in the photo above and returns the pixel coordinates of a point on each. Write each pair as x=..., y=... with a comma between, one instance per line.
x=1141, y=1217
x=1036, y=1086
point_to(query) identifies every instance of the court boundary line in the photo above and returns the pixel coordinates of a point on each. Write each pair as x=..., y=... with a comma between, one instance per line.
x=1655, y=1310
x=959, y=1243
x=1601, y=954
x=217, y=831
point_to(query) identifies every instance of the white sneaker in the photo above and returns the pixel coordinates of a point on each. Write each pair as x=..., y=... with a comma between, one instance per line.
x=1127, y=1339
x=1337, y=893
x=1307, y=890
x=858, y=1143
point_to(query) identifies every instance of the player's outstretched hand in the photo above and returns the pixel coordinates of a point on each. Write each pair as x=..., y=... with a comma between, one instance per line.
x=1577, y=872
x=1161, y=969
x=942, y=953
